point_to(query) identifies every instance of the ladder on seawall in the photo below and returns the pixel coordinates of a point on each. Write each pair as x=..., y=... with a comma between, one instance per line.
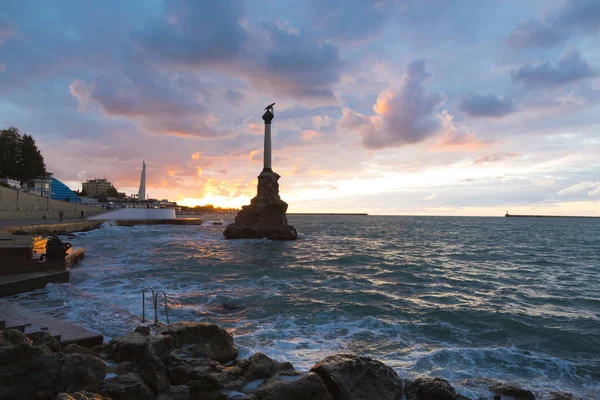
x=155, y=297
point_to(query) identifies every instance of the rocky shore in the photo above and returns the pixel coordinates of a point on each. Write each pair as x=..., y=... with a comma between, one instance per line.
x=189, y=361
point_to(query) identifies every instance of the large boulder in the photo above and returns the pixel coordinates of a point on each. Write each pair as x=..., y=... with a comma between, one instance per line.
x=431, y=389
x=175, y=392
x=211, y=339
x=47, y=339
x=133, y=346
x=505, y=389
x=82, y=395
x=349, y=377
x=305, y=387
x=126, y=387
x=15, y=337
x=28, y=371
x=184, y=368
x=153, y=371
x=74, y=348
x=260, y=366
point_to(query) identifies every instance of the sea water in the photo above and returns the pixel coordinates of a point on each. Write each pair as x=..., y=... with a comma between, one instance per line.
x=465, y=299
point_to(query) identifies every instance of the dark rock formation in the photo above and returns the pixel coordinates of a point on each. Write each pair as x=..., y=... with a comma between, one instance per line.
x=431, y=389
x=47, y=339
x=306, y=387
x=126, y=387
x=181, y=392
x=28, y=371
x=82, y=395
x=349, y=377
x=210, y=339
x=502, y=389
x=265, y=216
x=76, y=349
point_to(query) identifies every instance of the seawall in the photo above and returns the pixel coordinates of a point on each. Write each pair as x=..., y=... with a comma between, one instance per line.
x=17, y=205
x=60, y=228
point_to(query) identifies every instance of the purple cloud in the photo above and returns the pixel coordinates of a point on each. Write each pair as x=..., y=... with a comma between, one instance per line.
x=570, y=68
x=489, y=105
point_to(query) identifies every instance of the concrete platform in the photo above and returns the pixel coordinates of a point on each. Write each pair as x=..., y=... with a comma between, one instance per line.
x=27, y=281
x=62, y=228
x=32, y=323
x=133, y=222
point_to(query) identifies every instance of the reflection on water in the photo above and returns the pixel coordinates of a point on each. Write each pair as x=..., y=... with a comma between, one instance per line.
x=514, y=299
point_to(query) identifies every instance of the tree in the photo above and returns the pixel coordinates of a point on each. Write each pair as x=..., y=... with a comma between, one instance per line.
x=83, y=193
x=112, y=192
x=10, y=152
x=31, y=164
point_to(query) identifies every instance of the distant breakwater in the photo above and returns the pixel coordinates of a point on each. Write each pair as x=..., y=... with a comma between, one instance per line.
x=547, y=216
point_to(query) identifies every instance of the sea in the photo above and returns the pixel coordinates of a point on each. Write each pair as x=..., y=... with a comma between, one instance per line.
x=470, y=300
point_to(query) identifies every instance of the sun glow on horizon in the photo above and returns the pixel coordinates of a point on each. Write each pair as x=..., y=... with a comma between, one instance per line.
x=215, y=200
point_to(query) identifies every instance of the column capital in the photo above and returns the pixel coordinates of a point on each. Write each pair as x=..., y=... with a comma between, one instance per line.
x=268, y=117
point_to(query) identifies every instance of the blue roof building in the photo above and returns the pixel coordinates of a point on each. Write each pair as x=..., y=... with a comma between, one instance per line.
x=60, y=191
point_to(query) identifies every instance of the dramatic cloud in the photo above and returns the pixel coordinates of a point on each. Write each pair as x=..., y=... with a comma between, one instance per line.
x=486, y=106
x=493, y=157
x=576, y=17
x=570, y=68
x=588, y=187
x=195, y=33
x=352, y=20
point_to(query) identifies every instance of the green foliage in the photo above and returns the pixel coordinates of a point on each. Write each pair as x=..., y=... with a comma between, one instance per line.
x=112, y=192
x=19, y=156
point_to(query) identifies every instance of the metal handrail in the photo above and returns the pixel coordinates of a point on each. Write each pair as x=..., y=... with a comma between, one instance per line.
x=166, y=306
x=144, y=303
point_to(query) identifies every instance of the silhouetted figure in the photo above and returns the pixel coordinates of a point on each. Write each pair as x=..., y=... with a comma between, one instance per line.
x=82, y=213
x=61, y=214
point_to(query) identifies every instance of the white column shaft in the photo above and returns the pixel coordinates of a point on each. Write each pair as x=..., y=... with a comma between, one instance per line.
x=267, y=149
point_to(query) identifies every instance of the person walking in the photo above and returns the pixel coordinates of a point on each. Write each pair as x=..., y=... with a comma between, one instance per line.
x=61, y=214
x=82, y=214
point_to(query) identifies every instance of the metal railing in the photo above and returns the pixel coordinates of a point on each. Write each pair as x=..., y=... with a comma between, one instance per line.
x=155, y=296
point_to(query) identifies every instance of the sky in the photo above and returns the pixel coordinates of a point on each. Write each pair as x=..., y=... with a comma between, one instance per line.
x=428, y=107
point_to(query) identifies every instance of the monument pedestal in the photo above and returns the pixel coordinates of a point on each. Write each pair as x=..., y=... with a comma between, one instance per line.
x=265, y=216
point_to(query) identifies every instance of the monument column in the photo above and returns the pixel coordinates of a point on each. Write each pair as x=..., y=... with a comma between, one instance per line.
x=267, y=117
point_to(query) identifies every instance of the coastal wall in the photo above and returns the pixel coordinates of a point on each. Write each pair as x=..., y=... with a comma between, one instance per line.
x=17, y=205
x=137, y=213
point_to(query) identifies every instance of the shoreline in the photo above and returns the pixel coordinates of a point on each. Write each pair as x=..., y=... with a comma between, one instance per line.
x=199, y=360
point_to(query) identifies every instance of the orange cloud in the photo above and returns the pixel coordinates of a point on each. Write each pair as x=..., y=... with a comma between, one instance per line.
x=195, y=156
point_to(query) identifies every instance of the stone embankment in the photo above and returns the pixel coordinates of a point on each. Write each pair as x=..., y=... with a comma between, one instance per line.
x=189, y=361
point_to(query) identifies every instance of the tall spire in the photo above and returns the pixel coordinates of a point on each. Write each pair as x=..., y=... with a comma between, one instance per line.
x=142, y=191
x=268, y=117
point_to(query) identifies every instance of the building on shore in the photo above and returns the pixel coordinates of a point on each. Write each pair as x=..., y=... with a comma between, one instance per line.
x=41, y=186
x=96, y=187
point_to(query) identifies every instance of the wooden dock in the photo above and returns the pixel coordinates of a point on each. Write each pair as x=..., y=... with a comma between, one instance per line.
x=31, y=323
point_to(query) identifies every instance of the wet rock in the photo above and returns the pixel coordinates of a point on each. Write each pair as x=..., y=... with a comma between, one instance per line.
x=144, y=330
x=213, y=340
x=206, y=388
x=47, y=339
x=502, y=389
x=126, y=367
x=132, y=346
x=82, y=395
x=431, y=389
x=175, y=392
x=184, y=370
x=260, y=366
x=306, y=387
x=349, y=377
x=126, y=387
x=15, y=337
x=561, y=396
x=30, y=371
x=77, y=349
x=153, y=371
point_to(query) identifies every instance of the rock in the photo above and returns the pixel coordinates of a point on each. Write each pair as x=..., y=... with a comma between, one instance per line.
x=561, y=396
x=213, y=340
x=126, y=367
x=30, y=371
x=431, y=389
x=502, y=389
x=179, y=392
x=74, y=348
x=45, y=338
x=126, y=387
x=265, y=216
x=132, y=346
x=307, y=387
x=184, y=370
x=82, y=395
x=349, y=377
x=144, y=330
x=261, y=366
x=15, y=337
x=153, y=371
x=206, y=388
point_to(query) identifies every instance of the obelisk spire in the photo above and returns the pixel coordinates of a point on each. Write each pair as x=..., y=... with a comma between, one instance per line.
x=142, y=190
x=268, y=117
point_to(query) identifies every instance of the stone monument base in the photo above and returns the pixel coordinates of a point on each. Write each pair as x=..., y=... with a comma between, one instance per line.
x=265, y=216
